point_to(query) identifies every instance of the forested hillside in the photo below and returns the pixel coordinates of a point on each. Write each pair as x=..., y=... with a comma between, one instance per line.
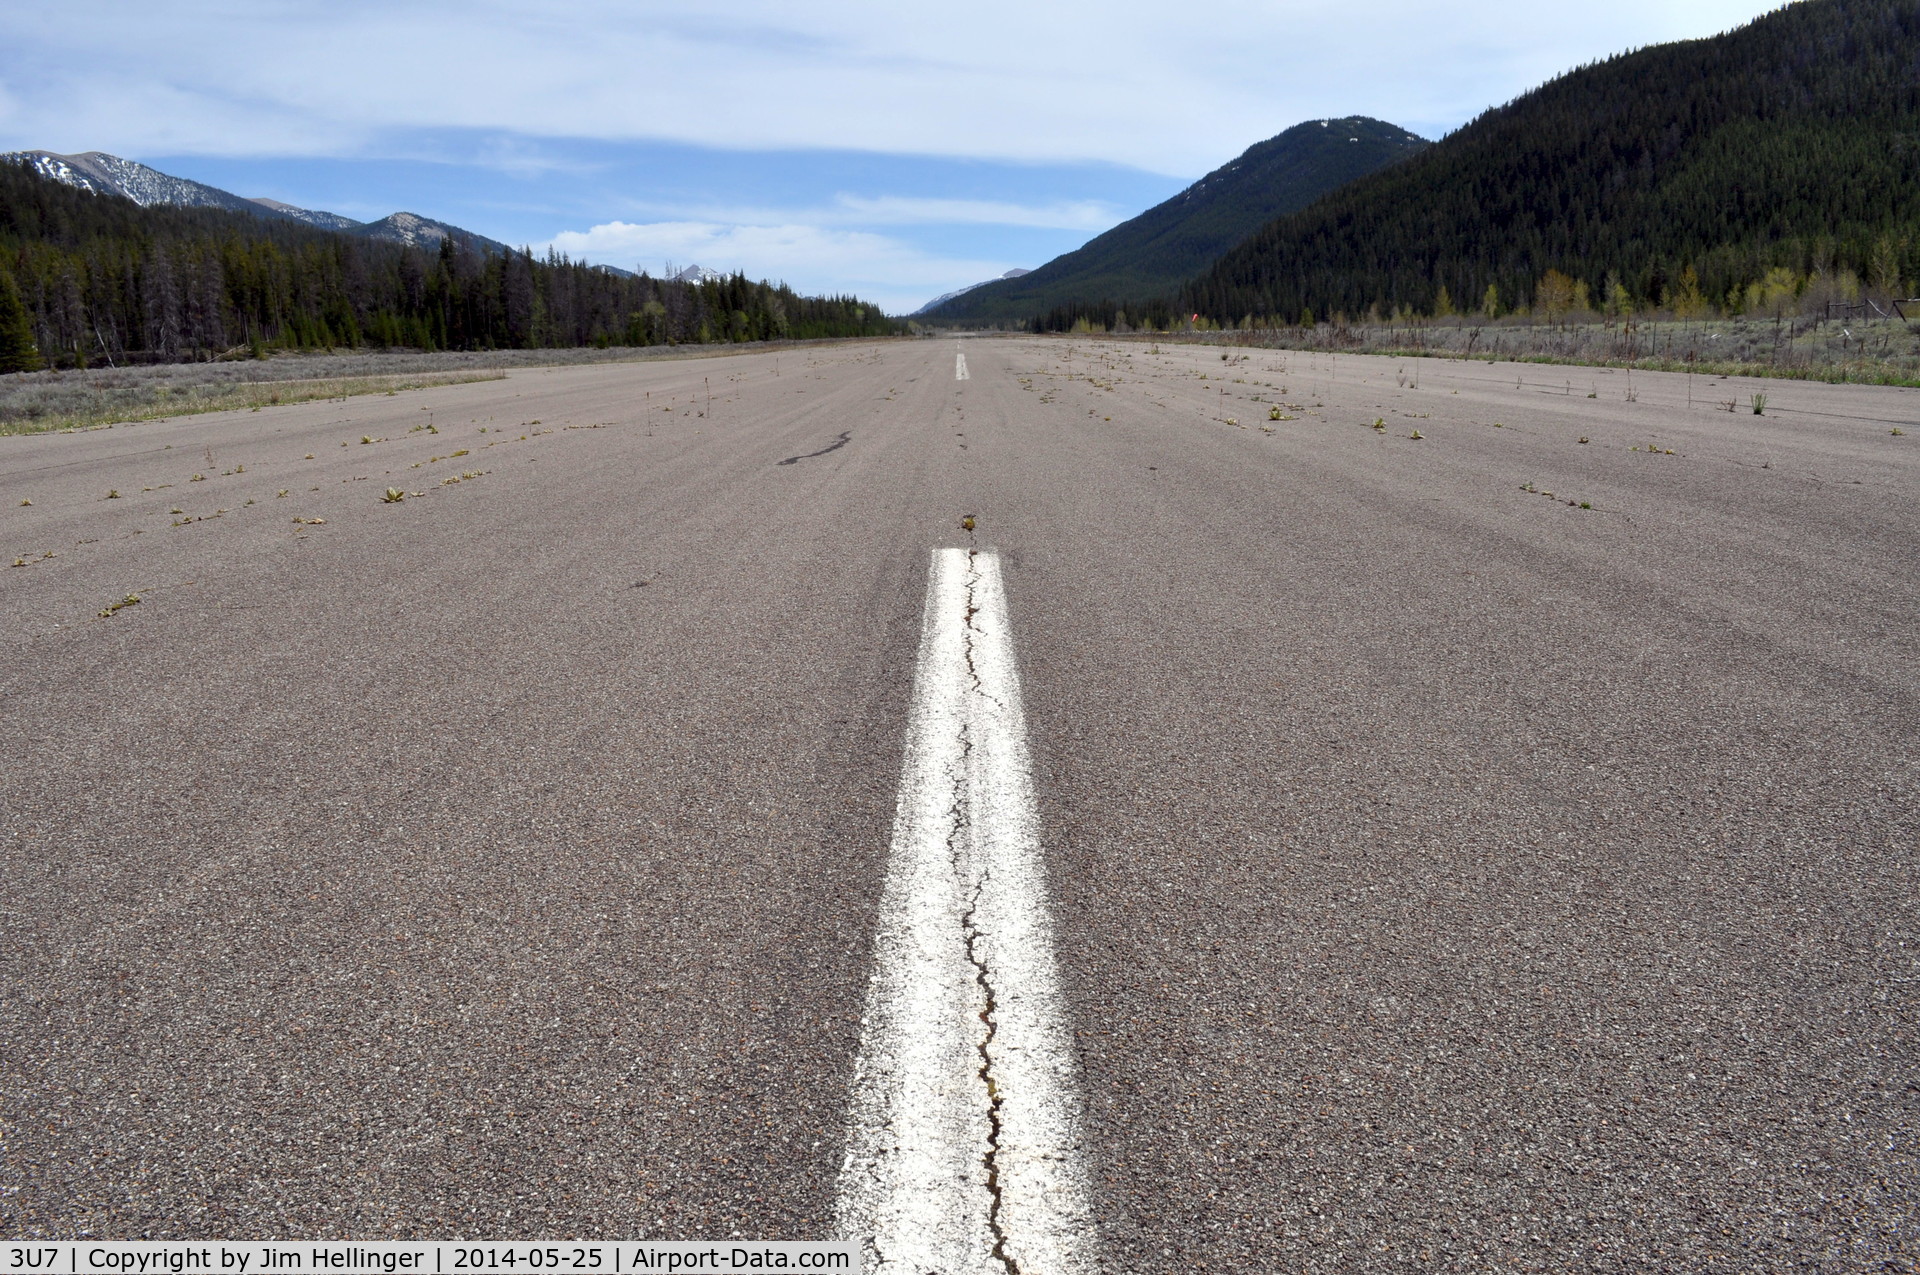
x=1710, y=173
x=1153, y=254
x=98, y=277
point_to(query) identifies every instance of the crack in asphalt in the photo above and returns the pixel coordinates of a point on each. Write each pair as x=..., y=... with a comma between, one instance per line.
x=983, y=976
x=846, y=436
x=982, y=973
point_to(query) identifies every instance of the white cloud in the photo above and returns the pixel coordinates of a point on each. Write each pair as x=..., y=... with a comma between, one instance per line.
x=1166, y=88
x=813, y=259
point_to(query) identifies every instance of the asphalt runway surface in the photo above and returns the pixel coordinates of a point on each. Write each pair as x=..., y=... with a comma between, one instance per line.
x=1488, y=850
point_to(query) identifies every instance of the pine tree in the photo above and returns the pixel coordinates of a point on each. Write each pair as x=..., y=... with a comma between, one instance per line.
x=18, y=353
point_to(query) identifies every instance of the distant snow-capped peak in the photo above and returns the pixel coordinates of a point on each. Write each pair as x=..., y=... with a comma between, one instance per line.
x=105, y=174
x=945, y=297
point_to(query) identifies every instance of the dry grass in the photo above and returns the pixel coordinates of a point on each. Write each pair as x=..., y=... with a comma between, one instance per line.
x=31, y=402
x=80, y=400
x=1880, y=352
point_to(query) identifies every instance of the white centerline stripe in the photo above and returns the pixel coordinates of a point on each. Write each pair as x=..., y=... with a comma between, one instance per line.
x=960, y=367
x=963, y=1146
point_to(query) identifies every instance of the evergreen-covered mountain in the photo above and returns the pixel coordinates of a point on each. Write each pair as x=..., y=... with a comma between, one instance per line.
x=1685, y=172
x=106, y=174
x=90, y=277
x=1162, y=248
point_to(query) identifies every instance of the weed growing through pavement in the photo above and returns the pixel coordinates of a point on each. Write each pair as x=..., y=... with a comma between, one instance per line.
x=393, y=496
x=1759, y=402
x=131, y=600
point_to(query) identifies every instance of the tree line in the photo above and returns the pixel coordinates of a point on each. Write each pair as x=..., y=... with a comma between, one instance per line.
x=88, y=278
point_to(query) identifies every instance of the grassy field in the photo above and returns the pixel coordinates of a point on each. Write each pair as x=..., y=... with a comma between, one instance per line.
x=1882, y=352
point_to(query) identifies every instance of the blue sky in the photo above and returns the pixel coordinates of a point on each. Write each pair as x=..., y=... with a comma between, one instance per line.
x=889, y=150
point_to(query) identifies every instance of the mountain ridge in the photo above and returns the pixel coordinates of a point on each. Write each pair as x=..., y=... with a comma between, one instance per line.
x=101, y=173
x=313, y=217
x=1158, y=251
